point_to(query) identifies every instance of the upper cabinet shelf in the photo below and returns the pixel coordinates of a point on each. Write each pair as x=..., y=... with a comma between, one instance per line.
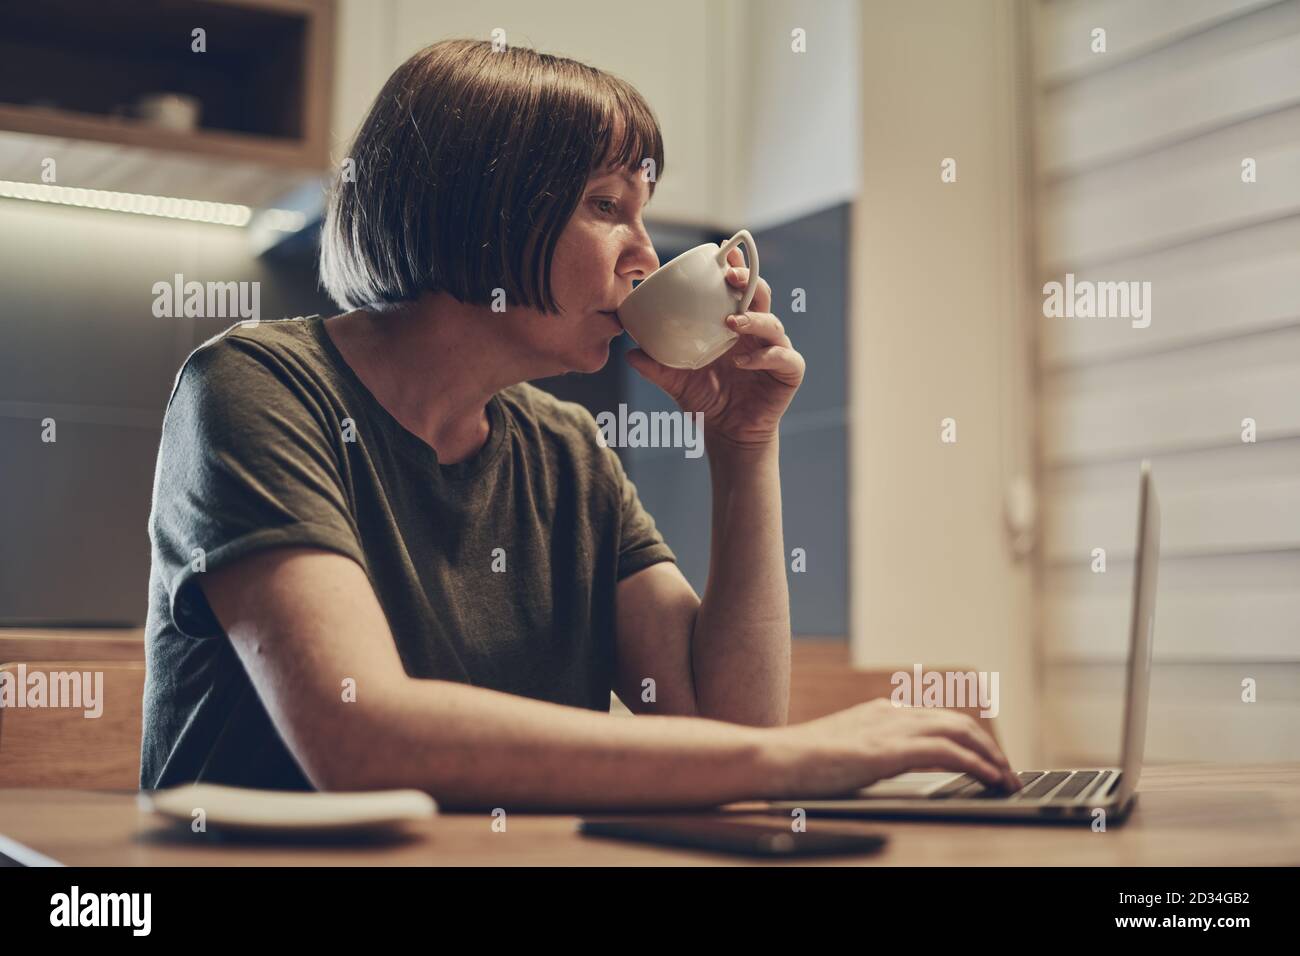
x=84, y=70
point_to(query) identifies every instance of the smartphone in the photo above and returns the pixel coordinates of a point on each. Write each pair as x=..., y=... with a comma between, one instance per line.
x=771, y=840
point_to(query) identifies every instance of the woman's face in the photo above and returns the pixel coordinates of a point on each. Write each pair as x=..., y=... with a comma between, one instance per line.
x=602, y=249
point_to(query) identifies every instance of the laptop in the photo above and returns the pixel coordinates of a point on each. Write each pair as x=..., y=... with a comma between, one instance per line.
x=1045, y=795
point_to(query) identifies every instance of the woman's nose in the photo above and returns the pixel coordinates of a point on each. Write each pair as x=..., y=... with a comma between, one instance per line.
x=645, y=261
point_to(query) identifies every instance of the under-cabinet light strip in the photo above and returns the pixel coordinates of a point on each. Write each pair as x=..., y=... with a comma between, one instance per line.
x=168, y=207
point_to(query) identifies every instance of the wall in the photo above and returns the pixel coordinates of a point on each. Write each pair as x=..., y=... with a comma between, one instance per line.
x=754, y=134
x=937, y=285
x=82, y=346
x=809, y=254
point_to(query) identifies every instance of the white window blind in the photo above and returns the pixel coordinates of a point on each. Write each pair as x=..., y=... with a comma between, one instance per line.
x=1139, y=159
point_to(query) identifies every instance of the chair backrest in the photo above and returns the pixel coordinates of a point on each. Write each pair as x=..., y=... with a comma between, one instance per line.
x=50, y=735
x=71, y=644
x=822, y=681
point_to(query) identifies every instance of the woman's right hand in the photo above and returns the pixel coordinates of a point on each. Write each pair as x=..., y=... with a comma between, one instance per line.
x=840, y=753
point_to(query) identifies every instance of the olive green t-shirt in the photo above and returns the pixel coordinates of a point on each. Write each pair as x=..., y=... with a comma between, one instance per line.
x=498, y=571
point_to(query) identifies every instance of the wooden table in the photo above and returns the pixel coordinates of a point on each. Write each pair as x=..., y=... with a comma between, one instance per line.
x=1193, y=814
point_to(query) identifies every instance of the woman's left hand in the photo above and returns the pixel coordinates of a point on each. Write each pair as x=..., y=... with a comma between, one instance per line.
x=745, y=391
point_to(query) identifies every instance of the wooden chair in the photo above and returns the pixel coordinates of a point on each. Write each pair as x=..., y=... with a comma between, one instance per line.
x=50, y=746
x=822, y=681
x=71, y=644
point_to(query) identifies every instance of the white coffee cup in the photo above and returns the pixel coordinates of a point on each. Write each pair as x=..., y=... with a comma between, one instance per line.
x=677, y=314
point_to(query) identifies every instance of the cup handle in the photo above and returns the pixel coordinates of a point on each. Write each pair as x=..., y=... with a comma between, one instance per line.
x=751, y=256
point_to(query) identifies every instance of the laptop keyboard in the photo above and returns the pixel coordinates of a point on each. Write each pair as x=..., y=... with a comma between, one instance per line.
x=1065, y=785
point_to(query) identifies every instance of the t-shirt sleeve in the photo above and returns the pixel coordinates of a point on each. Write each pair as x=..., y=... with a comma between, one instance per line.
x=640, y=543
x=245, y=463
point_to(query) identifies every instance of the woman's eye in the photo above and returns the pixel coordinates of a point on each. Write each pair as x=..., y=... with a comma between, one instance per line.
x=607, y=202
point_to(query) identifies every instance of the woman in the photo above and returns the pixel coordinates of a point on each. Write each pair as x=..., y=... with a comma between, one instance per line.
x=381, y=559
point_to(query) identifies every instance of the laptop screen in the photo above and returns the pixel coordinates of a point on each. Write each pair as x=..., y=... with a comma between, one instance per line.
x=1141, y=632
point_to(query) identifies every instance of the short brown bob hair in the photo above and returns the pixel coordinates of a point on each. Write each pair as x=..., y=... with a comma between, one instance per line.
x=468, y=166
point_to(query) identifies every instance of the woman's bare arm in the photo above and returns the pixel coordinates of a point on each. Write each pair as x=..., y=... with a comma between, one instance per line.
x=307, y=626
x=304, y=622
